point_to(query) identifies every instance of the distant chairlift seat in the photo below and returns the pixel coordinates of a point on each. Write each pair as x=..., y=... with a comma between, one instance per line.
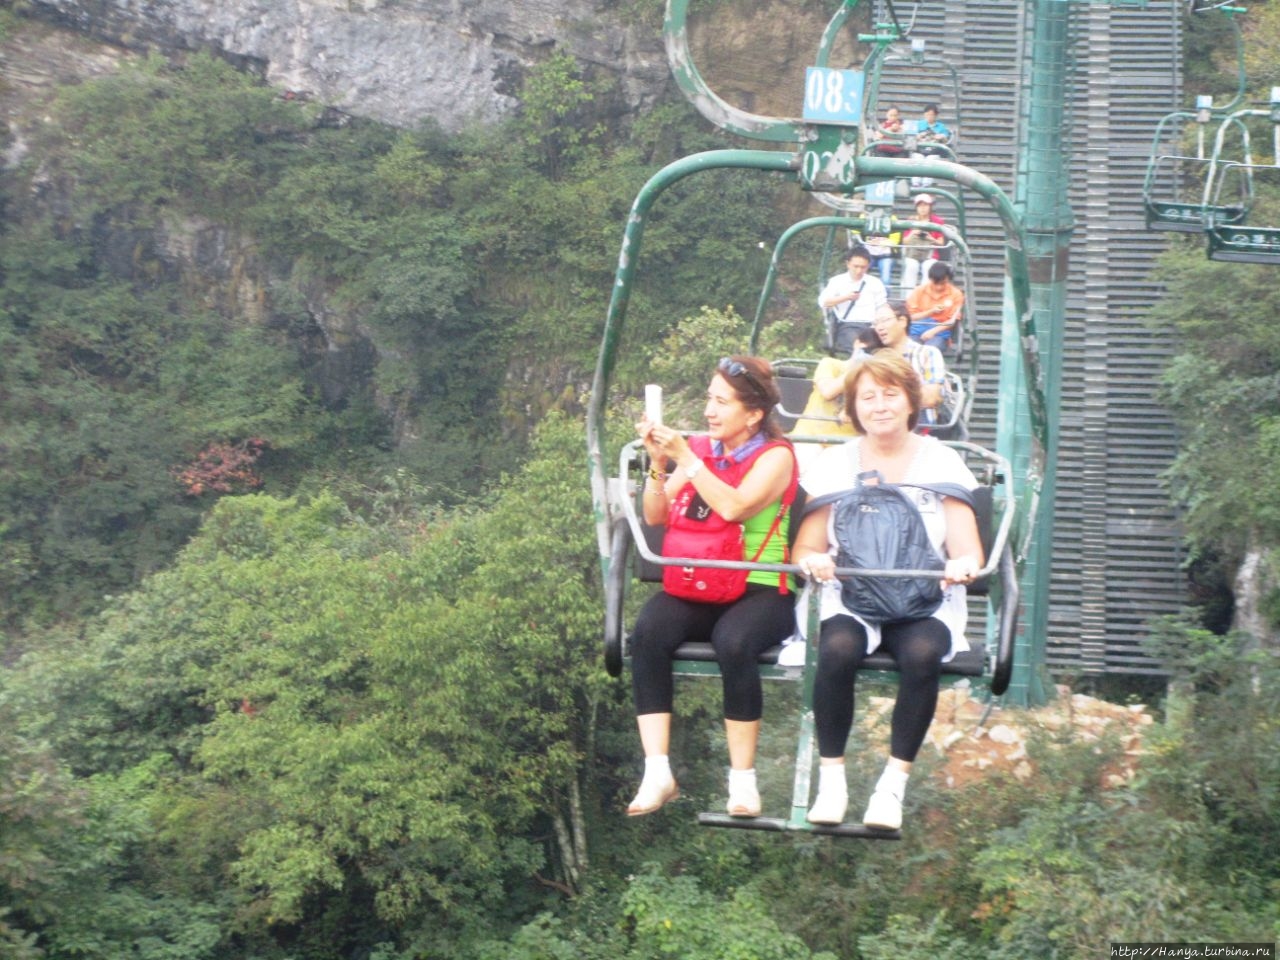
x=1171, y=177
x=1243, y=243
x=1236, y=241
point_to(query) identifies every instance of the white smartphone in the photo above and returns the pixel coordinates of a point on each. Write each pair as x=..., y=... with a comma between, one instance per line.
x=653, y=403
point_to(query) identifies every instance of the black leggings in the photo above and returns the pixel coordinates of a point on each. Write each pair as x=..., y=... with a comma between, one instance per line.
x=739, y=632
x=917, y=645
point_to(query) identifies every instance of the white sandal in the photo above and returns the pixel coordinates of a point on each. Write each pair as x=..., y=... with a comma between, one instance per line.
x=652, y=796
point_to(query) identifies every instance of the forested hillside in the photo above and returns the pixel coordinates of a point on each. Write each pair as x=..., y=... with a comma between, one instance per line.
x=211, y=289
x=302, y=604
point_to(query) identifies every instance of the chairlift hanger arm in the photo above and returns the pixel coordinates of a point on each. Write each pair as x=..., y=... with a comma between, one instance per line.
x=1229, y=10
x=764, y=160
x=726, y=116
x=707, y=102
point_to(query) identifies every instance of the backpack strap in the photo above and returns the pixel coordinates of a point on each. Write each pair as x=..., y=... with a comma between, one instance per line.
x=836, y=495
x=953, y=490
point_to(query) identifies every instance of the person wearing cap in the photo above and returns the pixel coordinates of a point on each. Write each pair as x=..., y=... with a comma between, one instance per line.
x=918, y=244
x=934, y=307
x=851, y=299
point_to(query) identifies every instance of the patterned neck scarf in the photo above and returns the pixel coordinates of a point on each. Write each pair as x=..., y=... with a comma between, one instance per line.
x=737, y=456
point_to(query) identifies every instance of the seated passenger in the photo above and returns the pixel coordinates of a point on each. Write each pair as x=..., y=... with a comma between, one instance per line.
x=932, y=132
x=826, y=401
x=881, y=248
x=883, y=401
x=850, y=300
x=920, y=246
x=888, y=137
x=892, y=323
x=740, y=473
x=935, y=307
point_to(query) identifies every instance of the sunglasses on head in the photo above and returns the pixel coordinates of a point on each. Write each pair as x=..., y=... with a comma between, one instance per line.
x=736, y=368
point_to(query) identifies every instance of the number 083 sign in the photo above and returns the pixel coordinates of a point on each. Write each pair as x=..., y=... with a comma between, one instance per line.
x=833, y=96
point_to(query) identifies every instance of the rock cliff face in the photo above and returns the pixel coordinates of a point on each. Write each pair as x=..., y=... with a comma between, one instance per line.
x=397, y=61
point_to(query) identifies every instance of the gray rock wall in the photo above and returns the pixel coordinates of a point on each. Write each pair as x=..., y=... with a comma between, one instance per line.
x=397, y=61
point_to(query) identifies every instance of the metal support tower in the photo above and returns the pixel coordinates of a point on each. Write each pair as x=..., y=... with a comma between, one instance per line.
x=1040, y=194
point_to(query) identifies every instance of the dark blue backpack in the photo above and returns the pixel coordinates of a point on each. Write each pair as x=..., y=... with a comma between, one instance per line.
x=878, y=527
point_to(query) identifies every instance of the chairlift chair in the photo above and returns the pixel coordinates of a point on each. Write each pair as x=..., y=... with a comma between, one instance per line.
x=905, y=74
x=824, y=159
x=635, y=557
x=1240, y=241
x=1173, y=179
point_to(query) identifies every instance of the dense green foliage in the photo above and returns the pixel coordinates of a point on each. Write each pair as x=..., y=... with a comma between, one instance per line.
x=1227, y=375
x=457, y=282
x=336, y=730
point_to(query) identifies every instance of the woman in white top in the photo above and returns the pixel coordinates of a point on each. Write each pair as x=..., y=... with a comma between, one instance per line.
x=883, y=400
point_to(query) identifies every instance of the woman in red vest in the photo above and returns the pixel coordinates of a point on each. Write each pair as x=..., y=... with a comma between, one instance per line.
x=740, y=476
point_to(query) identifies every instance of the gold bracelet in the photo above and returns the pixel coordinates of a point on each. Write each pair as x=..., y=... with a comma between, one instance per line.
x=656, y=474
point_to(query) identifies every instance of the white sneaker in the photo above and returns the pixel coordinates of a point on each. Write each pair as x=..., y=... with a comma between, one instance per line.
x=744, y=801
x=884, y=811
x=829, y=808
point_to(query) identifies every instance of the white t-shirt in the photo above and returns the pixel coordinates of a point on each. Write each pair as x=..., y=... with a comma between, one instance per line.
x=871, y=296
x=837, y=467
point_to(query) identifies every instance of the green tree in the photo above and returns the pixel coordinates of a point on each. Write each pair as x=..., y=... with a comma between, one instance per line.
x=197, y=137
x=555, y=116
x=907, y=938
x=408, y=719
x=672, y=916
x=1227, y=373
x=109, y=393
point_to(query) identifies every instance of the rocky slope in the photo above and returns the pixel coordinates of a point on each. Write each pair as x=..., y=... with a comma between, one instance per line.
x=397, y=61
x=462, y=61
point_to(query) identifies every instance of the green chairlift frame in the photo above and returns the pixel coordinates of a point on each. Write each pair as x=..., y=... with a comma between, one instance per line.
x=825, y=158
x=968, y=334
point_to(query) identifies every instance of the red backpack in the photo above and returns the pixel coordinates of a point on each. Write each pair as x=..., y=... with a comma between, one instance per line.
x=696, y=531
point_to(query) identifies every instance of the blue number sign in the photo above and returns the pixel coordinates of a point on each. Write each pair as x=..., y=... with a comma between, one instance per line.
x=833, y=96
x=880, y=193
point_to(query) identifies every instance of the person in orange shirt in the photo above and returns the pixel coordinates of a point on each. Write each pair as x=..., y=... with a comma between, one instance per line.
x=935, y=307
